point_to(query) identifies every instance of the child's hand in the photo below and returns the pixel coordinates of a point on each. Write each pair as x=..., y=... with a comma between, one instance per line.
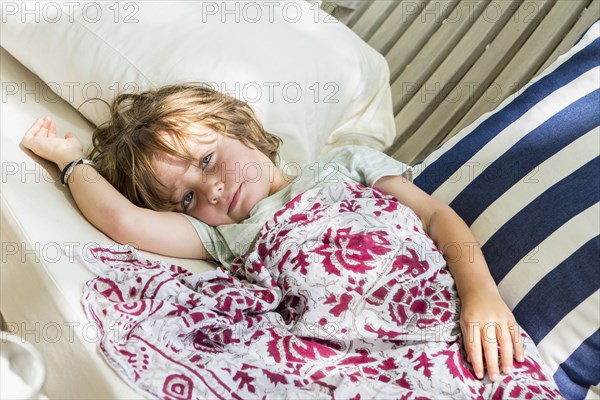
x=487, y=323
x=41, y=139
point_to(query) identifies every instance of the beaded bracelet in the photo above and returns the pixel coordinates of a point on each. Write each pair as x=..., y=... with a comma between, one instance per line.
x=68, y=170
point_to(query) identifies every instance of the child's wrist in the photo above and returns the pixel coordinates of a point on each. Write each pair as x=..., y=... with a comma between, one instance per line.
x=68, y=170
x=66, y=159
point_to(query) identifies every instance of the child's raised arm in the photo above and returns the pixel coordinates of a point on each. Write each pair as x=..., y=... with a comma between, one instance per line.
x=167, y=233
x=486, y=320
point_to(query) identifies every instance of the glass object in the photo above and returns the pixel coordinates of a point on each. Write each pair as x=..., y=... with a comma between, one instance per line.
x=22, y=369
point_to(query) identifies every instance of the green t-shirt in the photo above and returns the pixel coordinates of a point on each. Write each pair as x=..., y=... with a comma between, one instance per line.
x=357, y=163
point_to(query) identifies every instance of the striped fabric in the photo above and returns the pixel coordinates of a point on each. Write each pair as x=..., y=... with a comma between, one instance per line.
x=526, y=179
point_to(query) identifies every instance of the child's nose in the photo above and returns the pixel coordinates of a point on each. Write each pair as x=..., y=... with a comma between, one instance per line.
x=215, y=191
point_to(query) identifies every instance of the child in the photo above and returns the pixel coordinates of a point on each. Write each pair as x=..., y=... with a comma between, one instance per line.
x=189, y=172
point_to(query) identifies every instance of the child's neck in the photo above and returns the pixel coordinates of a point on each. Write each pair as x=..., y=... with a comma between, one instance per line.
x=280, y=181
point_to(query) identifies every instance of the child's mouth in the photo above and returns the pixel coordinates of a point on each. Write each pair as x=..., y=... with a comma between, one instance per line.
x=235, y=199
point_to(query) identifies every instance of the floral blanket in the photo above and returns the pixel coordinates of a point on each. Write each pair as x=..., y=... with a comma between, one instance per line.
x=343, y=296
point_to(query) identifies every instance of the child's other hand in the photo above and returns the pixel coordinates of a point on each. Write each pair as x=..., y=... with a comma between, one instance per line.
x=41, y=139
x=487, y=323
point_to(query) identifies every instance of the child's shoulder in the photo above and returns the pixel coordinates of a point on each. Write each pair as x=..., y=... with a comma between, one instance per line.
x=365, y=164
x=351, y=151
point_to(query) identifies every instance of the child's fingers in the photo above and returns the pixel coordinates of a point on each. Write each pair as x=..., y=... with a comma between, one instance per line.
x=34, y=129
x=52, y=129
x=47, y=126
x=490, y=349
x=29, y=138
x=71, y=137
x=517, y=342
x=472, y=338
x=506, y=349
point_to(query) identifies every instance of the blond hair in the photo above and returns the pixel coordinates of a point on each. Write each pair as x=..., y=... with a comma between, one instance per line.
x=124, y=146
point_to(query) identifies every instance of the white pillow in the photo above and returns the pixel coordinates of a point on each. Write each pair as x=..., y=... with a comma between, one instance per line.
x=309, y=78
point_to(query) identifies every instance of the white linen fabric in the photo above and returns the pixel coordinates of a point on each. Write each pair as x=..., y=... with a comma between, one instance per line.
x=343, y=296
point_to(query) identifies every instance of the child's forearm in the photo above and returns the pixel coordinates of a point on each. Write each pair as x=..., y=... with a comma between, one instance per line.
x=99, y=201
x=485, y=319
x=168, y=233
x=449, y=232
x=461, y=251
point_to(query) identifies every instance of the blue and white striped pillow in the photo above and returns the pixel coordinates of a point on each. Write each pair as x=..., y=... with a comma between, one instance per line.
x=526, y=178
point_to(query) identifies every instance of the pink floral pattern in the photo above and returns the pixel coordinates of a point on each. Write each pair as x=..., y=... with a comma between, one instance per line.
x=342, y=296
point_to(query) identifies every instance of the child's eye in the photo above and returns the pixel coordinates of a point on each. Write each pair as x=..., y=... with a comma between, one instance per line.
x=187, y=199
x=206, y=161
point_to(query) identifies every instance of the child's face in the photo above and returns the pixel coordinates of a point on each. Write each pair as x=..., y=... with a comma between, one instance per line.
x=226, y=183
